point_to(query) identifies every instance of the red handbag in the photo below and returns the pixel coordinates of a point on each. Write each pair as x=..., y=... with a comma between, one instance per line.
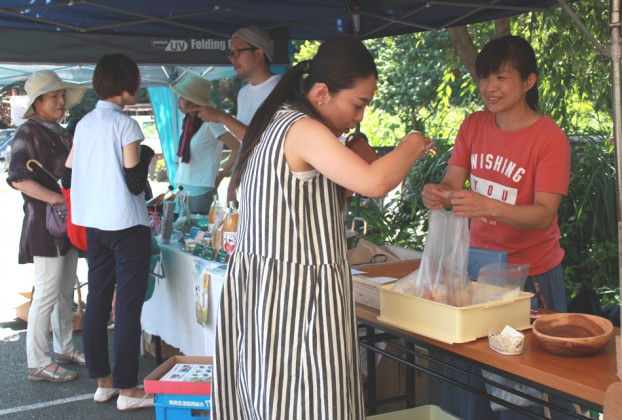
x=76, y=233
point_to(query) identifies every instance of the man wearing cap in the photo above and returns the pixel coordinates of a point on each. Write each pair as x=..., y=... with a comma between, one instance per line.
x=250, y=53
x=200, y=145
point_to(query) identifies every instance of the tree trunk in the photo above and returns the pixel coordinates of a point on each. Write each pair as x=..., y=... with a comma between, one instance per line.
x=502, y=27
x=464, y=47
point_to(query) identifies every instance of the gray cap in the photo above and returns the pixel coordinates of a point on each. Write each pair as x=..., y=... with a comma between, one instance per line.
x=257, y=37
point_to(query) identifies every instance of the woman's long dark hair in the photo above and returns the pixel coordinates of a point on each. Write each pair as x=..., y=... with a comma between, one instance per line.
x=339, y=63
x=515, y=51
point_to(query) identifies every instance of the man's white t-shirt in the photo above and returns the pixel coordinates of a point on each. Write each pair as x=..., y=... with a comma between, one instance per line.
x=250, y=97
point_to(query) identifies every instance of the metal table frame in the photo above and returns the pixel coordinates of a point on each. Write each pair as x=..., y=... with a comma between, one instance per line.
x=418, y=353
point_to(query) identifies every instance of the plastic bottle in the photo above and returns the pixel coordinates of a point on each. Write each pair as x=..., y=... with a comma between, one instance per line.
x=216, y=216
x=230, y=228
x=211, y=216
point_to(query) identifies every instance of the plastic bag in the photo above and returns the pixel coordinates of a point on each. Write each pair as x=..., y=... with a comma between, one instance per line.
x=183, y=207
x=499, y=281
x=443, y=275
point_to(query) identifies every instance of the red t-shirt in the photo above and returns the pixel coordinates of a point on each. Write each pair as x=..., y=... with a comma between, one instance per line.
x=511, y=167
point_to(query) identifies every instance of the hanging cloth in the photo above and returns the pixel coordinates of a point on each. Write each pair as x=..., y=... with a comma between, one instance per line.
x=190, y=126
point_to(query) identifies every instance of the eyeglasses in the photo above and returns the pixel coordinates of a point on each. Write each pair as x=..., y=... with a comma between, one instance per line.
x=236, y=52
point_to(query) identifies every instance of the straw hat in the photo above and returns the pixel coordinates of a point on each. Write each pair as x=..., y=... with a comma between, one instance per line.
x=193, y=88
x=44, y=81
x=257, y=37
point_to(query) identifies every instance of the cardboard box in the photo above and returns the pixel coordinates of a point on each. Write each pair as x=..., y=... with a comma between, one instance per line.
x=21, y=311
x=166, y=350
x=425, y=412
x=153, y=385
x=366, y=291
x=391, y=377
x=452, y=324
x=369, y=253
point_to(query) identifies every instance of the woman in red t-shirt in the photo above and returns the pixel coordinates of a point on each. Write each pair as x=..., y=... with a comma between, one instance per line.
x=517, y=162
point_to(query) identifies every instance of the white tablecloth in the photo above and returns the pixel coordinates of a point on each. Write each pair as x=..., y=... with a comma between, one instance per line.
x=171, y=313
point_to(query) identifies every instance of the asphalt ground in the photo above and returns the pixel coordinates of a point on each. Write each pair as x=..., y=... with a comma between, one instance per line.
x=24, y=399
x=21, y=398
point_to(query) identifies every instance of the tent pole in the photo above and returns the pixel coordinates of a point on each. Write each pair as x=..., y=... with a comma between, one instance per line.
x=564, y=5
x=617, y=132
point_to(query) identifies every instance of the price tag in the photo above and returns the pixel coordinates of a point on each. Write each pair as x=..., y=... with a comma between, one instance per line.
x=222, y=256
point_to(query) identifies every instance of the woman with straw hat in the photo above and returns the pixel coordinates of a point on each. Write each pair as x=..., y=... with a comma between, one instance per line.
x=200, y=145
x=42, y=138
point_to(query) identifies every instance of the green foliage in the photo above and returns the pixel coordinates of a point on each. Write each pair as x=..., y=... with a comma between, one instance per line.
x=160, y=165
x=403, y=219
x=149, y=129
x=306, y=51
x=575, y=86
x=411, y=69
x=588, y=219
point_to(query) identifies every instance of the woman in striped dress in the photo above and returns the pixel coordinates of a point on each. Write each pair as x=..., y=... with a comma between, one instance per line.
x=286, y=345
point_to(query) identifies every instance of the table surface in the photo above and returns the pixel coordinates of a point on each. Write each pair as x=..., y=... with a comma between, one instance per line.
x=586, y=378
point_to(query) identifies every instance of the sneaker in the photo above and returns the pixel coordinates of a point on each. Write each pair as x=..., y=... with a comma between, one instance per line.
x=52, y=373
x=75, y=356
x=125, y=403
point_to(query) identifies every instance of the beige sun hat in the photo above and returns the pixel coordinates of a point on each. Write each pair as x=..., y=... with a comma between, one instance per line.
x=193, y=88
x=44, y=81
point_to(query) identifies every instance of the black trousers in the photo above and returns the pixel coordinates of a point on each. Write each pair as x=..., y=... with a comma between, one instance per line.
x=118, y=260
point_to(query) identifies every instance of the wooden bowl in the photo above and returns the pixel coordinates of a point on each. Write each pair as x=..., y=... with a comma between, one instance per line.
x=573, y=334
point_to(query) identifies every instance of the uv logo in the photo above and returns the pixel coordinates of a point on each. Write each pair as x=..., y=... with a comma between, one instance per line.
x=175, y=45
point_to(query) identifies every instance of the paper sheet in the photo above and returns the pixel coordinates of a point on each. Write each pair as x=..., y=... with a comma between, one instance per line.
x=382, y=280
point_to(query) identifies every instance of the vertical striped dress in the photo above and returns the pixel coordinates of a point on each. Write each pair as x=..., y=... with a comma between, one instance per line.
x=286, y=343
